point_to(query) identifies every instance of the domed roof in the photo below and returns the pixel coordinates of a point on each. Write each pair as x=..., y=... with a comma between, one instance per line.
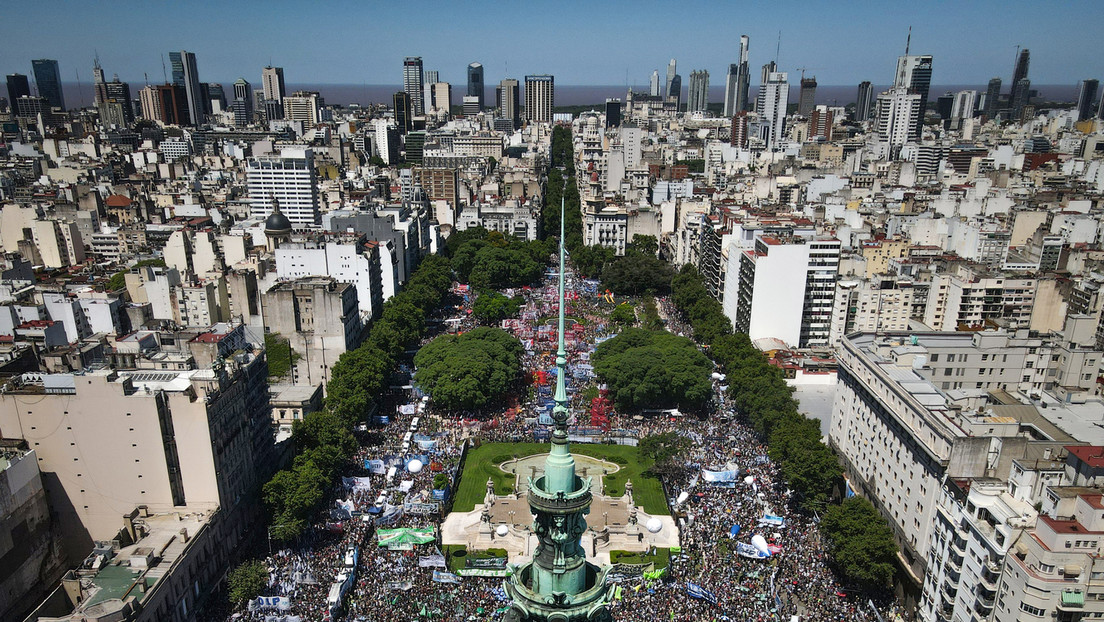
x=277, y=224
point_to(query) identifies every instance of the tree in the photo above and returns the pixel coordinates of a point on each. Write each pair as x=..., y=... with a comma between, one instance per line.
x=471, y=370
x=643, y=244
x=493, y=307
x=624, y=314
x=356, y=382
x=591, y=260
x=636, y=274
x=246, y=582
x=860, y=543
x=279, y=354
x=496, y=267
x=653, y=369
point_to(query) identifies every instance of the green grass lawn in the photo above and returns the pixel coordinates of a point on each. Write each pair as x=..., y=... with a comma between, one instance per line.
x=483, y=461
x=660, y=558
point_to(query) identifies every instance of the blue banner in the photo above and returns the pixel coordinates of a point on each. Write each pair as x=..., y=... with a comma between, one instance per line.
x=699, y=592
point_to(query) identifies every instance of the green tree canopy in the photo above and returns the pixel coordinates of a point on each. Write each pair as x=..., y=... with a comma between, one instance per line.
x=860, y=543
x=471, y=370
x=246, y=582
x=492, y=307
x=356, y=381
x=636, y=273
x=653, y=369
x=624, y=314
x=495, y=268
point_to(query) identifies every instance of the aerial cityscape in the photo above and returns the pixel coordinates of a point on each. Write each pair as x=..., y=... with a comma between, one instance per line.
x=372, y=315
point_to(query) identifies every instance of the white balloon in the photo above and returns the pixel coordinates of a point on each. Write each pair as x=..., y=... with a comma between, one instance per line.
x=749, y=480
x=502, y=530
x=414, y=466
x=760, y=543
x=654, y=525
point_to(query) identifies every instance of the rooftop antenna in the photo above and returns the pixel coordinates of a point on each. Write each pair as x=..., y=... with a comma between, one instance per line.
x=146, y=77
x=80, y=89
x=164, y=72
x=908, y=41
x=777, y=48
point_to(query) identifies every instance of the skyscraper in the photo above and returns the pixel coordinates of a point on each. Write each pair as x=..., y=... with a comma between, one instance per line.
x=18, y=86
x=676, y=91
x=242, y=105
x=403, y=112
x=1021, y=94
x=767, y=70
x=272, y=81
x=914, y=73
x=475, y=82
x=429, y=92
x=774, y=96
x=114, y=105
x=653, y=89
x=864, y=101
x=738, y=134
x=671, y=72
x=1086, y=96
x=992, y=97
x=963, y=108
x=613, y=113
x=730, y=90
x=186, y=74
x=743, y=79
x=99, y=91
x=697, y=99
x=413, y=83
x=540, y=97
x=442, y=96
x=806, y=101
x=898, y=115
x=48, y=78
x=1019, y=71
x=509, y=102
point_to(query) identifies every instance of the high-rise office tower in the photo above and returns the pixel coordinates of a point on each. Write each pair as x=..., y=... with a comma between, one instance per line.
x=114, y=103
x=1086, y=96
x=1100, y=108
x=242, y=106
x=730, y=90
x=743, y=79
x=992, y=98
x=48, y=78
x=653, y=88
x=943, y=105
x=806, y=100
x=697, y=99
x=963, y=108
x=914, y=73
x=613, y=113
x=272, y=81
x=898, y=115
x=470, y=105
x=767, y=70
x=170, y=105
x=186, y=74
x=671, y=72
x=413, y=83
x=820, y=123
x=540, y=97
x=429, y=93
x=18, y=86
x=442, y=96
x=305, y=106
x=774, y=96
x=509, y=101
x=676, y=91
x=1019, y=71
x=289, y=179
x=475, y=82
x=1021, y=94
x=404, y=109
x=99, y=92
x=864, y=101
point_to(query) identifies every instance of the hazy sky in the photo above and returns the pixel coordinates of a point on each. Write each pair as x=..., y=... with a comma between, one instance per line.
x=591, y=43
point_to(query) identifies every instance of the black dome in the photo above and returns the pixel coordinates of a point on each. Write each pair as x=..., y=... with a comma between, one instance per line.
x=277, y=223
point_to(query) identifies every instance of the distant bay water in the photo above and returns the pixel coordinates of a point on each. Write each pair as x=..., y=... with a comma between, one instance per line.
x=578, y=95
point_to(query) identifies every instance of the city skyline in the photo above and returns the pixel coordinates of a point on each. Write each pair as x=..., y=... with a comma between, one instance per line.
x=250, y=36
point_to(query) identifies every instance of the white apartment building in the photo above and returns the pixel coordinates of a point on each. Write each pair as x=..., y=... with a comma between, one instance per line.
x=346, y=258
x=897, y=115
x=288, y=179
x=881, y=304
x=965, y=299
x=785, y=289
x=774, y=96
x=912, y=409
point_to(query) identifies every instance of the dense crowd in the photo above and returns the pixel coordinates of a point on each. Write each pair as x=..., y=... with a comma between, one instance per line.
x=398, y=586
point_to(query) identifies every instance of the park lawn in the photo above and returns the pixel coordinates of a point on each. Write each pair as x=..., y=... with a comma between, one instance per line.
x=482, y=462
x=660, y=558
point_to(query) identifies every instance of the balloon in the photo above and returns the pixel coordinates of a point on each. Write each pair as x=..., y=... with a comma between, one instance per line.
x=760, y=543
x=414, y=466
x=502, y=530
x=654, y=525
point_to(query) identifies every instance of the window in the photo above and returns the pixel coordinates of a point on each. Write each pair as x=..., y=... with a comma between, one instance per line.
x=1035, y=611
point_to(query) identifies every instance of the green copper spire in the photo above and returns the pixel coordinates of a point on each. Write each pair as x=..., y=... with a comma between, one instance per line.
x=559, y=584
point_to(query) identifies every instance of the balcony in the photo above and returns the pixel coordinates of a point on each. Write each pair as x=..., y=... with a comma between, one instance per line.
x=1072, y=599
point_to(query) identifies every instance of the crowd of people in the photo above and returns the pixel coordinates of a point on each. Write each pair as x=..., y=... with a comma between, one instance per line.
x=383, y=488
